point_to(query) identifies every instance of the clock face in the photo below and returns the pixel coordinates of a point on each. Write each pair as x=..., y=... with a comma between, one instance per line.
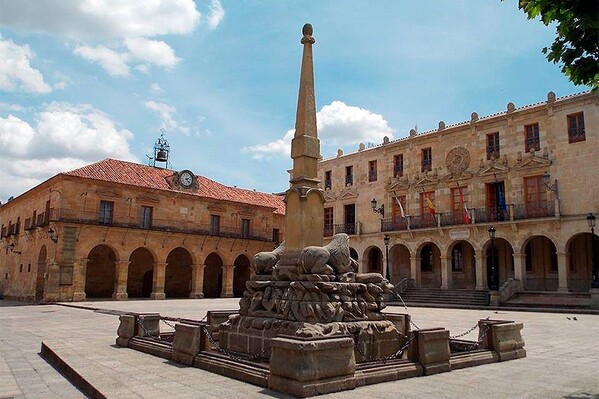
x=186, y=178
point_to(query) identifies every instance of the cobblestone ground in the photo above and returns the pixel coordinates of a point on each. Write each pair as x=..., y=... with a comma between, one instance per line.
x=562, y=356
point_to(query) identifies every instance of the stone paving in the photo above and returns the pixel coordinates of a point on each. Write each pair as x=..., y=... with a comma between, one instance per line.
x=562, y=356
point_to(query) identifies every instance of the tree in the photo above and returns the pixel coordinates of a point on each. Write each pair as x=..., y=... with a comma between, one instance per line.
x=577, y=43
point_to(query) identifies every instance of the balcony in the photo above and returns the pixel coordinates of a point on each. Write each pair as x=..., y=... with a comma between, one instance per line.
x=512, y=212
x=167, y=225
x=347, y=228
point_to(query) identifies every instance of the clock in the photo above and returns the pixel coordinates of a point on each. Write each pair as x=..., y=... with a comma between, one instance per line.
x=186, y=178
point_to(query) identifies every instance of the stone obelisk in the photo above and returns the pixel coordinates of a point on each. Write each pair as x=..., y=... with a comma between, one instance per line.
x=304, y=214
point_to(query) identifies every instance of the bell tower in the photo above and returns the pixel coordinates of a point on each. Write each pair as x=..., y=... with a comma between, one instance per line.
x=161, y=151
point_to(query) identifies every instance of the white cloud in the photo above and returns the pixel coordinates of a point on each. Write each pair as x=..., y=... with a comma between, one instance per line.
x=166, y=114
x=153, y=51
x=100, y=20
x=155, y=88
x=217, y=13
x=338, y=124
x=16, y=72
x=65, y=136
x=113, y=62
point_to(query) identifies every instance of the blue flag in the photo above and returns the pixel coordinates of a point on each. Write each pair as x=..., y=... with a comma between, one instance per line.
x=500, y=198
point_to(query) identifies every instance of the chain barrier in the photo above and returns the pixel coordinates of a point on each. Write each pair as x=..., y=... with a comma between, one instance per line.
x=263, y=355
x=397, y=355
x=468, y=331
x=147, y=334
x=465, y=347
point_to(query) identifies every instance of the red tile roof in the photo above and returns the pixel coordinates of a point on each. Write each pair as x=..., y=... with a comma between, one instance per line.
x=133, y=174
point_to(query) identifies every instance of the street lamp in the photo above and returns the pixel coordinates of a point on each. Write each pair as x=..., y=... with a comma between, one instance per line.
x=591, y=222
x=550, y=187
x=492, y=283
x=386, y=239
x=380, y=210
x=52, y=235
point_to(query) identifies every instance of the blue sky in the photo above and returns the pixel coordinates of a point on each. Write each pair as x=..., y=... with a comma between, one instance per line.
x=83, y=80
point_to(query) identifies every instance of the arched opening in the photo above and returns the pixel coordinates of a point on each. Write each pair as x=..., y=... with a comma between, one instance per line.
x=374, y=257
x=463, y=265
x=241, y=275
x=430, y=265
x=499, y=256
x=353, y=253
x=40, y=279
x=580, y=261
x=177, y=279
x=146, y=285
x=541, y=264
x=100, y=273
x=141, y=263
x=399, y=261
x=213, y=276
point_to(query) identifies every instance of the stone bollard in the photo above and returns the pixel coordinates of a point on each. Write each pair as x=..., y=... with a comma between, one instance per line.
x=149, y=324
x=312, y=366
x=503, y=337
x=430, y=348
x=187, y=343
x=126, y=330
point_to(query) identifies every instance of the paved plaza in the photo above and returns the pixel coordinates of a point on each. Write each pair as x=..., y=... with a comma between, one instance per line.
x=562, y=356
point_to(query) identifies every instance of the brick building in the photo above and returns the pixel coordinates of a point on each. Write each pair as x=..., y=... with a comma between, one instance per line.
x=531, y=173
x=116, y=229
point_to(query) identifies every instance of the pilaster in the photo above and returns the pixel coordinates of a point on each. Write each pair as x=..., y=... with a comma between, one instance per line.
x=197, y=281
x=520, y=267
x=481, y=271
x=79, y=275
x=562, y=272
x=446, y=274
x=414, y=272
x=228, y=272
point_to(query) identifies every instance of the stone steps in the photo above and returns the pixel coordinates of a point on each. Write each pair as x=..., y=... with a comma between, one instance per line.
x=442, y=296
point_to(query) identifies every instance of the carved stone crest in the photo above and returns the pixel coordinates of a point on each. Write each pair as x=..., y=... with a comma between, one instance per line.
x=457, y=160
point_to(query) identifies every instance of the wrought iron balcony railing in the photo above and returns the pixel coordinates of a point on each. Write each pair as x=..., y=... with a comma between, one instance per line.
x=175, y=226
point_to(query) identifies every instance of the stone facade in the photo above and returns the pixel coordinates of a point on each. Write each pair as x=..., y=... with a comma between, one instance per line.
x=498, y=163
x=125, y=230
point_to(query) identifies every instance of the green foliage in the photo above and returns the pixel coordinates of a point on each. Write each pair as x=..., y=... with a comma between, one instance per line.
x=576, y=46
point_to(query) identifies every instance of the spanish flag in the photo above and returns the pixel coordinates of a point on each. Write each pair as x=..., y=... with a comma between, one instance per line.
x=429, y=204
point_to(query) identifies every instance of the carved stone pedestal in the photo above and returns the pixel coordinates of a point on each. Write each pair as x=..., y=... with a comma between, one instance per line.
x=431, y=349
x=503, y=337
x=187, y=343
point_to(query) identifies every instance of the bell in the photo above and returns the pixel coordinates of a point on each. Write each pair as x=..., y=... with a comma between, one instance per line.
x=161, y=156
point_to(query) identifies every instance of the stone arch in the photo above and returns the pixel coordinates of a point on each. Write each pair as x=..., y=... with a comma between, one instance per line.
x=241, y=275
x=462, y=263
x=429, y=264
x=213, y=276
x=579, y=250
x=40, y=280
x=100, y=275
x=374, y=258
x=499, y=262
x=399, y=261
x=140, y=273
x=177, y=276
x=540, y=257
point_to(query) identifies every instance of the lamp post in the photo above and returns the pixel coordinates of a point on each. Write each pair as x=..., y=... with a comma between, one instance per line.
x=386, y=239
x=591, y=219
x=492, y=282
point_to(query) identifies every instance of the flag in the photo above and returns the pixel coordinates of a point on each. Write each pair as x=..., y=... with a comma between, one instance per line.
x=403, y=214
x=429, y=204
x=464, y=208
x=500, y=198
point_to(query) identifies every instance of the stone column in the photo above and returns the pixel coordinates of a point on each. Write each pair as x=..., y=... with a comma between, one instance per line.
x=197, y=281
x=481, y=271
x=445, y=272
x=52, y=289
x=562, y=272
x=158, y=281
x=120, y=286
x=520, y=267
x=414, y=262
x=79, y=280
x=227, y=291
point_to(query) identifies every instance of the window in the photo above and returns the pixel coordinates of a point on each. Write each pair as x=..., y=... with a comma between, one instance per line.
x=398, y=165
x=372, y=171
x=532, y=137
x=349, y=175
x=328, y=222
x=427, y=159
x=21, y=268
x=350, y=219
x=275, y=236
x=576, y=131
x=535, y=196
x=396, y=212
x=493, y=145
x=214, y=225
x=328, y=184
x=28, y=267
x=457, y=258
x=106, y=211
x=145, y=217
x=245, y=228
